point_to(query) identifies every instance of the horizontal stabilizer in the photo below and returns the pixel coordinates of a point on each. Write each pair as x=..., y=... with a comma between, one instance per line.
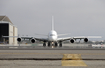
x=63, y=34
x=41, y=34
x=87, y=37
x=94, y=37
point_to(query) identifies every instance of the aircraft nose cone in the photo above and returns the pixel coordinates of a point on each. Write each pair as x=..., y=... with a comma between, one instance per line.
x=52, y=39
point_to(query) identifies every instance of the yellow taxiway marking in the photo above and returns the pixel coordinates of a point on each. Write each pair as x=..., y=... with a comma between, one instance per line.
x=72, y=60
x=71, y=57
x=73, y=63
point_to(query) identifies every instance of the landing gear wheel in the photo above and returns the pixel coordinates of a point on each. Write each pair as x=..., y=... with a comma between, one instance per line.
x=60, y=45
x=44, y=44
x=49, y=44
x=56, y=44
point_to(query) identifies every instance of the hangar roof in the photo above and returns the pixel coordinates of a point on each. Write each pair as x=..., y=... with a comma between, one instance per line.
x=5, y=18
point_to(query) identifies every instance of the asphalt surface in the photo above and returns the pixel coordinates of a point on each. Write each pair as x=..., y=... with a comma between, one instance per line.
x=47, y=64
x=38, y=58
x=53, y=54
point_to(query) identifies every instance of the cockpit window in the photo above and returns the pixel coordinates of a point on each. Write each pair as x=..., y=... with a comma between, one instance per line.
x=52, y=34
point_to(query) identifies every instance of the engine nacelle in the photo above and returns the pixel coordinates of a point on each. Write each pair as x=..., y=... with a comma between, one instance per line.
x=72, y=40
x=86, y=40
x=19, y=39
x=33, y=40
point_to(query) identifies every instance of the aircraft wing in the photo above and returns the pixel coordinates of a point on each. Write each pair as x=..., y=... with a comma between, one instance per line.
x=28, y=37
x=77, y=37
x=39, y=39
x=42, y=39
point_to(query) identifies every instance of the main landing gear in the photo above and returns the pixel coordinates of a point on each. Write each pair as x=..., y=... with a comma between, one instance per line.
x=60, y=44
x=44, y=44
x=55, y=44
x=49, y=43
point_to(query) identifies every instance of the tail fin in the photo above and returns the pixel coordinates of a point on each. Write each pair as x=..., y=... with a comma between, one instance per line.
x=52, y=23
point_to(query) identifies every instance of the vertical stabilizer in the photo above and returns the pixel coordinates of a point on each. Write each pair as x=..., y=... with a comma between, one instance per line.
x=52, y=23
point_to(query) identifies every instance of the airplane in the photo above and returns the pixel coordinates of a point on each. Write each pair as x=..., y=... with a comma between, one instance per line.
x=52, y=38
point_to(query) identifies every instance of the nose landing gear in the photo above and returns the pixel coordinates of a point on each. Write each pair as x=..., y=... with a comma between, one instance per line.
x=52, y=44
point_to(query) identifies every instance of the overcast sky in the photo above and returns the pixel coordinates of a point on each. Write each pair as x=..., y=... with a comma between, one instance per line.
x=78, y=17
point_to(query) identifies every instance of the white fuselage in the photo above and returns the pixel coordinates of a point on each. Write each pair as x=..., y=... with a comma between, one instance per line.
x=52, y=36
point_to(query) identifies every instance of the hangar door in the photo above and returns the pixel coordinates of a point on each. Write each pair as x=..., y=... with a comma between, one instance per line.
x=4, y=30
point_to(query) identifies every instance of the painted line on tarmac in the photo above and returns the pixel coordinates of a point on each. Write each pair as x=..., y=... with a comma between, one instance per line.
x=72, y=60
x=20, y=58
x=56, y=53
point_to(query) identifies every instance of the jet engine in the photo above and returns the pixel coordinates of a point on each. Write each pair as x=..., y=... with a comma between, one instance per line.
x=33, y=40
x=86, y=40
x=19, y=39
x=72, y=40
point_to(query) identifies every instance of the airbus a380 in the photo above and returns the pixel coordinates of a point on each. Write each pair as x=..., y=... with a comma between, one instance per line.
x=52, y=38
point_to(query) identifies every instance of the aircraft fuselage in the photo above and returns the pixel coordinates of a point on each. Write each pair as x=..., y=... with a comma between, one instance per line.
x=52, y=36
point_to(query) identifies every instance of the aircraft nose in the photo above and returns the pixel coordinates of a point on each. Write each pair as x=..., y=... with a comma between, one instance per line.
x=52, y=39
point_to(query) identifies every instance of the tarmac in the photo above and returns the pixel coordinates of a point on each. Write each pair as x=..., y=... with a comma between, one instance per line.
x=48, y=57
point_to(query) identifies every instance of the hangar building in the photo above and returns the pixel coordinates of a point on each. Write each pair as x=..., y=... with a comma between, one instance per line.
x=7, y=28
